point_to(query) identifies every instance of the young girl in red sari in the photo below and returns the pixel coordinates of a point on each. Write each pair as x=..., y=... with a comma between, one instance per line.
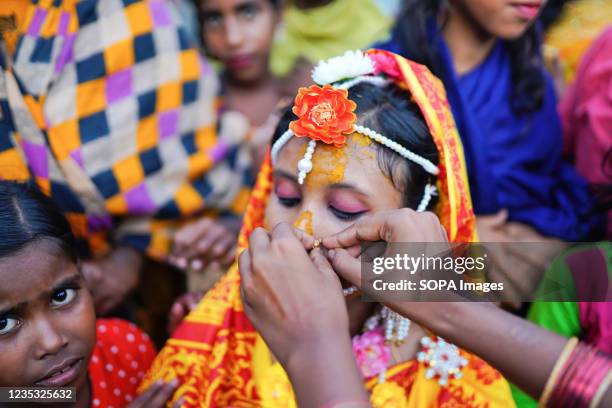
x=49, y=335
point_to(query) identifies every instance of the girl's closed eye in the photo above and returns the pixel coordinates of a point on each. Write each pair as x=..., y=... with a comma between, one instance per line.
x=288, y=193
x=347, y=208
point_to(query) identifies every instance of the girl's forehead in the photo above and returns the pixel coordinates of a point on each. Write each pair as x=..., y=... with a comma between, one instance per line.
x=34, y=270
x=354, y=163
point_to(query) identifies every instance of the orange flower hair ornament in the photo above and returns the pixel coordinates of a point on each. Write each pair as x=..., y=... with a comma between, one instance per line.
x=326, y=114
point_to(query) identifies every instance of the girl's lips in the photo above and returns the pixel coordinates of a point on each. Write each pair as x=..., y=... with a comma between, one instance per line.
x=240, y=61
x=63, y=375
x=528, y=10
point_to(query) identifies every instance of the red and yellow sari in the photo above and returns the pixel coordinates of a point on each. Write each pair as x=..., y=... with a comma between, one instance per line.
x=219, y=357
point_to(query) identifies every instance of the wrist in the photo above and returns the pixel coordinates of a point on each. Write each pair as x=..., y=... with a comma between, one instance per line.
x=316, y=353
x=325, y=371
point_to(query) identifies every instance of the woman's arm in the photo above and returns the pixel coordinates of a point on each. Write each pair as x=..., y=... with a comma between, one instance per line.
x=524, y=353
x=299, y=310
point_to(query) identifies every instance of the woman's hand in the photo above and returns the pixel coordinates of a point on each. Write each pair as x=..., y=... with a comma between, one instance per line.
x=294, y=299
x=395, y=226
x=207, y=242
x=181, y=307
x=157, y=396
x=518, y=255
x=112, y=278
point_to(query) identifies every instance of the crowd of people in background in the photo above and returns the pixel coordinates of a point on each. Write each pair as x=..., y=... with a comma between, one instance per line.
x=198, y=177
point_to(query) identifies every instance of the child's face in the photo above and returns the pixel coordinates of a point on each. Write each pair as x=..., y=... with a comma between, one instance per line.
x=344, y=184
x=47, y=319
x=239, y=33
x=505, y=19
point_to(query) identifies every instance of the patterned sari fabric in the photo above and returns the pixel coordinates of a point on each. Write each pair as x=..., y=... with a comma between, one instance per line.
x=220, y=359
x=108, y=108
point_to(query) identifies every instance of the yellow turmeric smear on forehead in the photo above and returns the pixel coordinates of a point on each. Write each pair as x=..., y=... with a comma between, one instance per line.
x=363, y=148
x=329, y=162
x=360, y=140
x=328, y=166
x=304, y=222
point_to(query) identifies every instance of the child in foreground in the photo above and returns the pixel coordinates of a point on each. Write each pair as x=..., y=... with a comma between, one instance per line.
x=49, y=335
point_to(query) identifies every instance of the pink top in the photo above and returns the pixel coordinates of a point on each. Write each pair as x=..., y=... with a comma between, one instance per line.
x=586, y=112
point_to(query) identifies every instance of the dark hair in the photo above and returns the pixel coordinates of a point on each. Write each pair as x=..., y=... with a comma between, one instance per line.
x=27, y=216
x=553, y=9
x=198, y=5
x=389, y=111
x=275, y=3
x=526, y=65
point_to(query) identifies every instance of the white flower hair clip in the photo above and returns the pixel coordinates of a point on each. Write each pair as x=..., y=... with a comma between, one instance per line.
x=352, y=64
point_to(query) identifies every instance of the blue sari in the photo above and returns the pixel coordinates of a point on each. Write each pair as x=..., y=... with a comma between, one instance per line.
x=514, y=161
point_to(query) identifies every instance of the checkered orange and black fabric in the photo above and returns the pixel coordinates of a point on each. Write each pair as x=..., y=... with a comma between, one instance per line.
x=108, y=108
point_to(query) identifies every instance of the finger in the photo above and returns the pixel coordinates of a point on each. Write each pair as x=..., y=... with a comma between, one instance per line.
x=248, y=307
x=177, y=313
x=443, y=233
x=259, y=241
x=306, y=239
x=499, y=219
x=346, y=266
x=369, y=228
x=247, y=283
x=244, y=267
x=355, y=251
x=147, y=395
x=344, y=238
x=189, y=234
x=196, y=265
x=285, y=232
x=229, y=258
x=248, y=292
x=497, y=271
x=179, y=403
x=322, y=264
x=193, y=298
x=203, y=246
x=164, y=394
x=225, y=244
x=179, y=262
x=256, y=286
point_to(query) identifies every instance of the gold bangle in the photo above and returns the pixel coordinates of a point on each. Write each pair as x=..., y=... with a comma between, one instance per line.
x=601, y=391
x=554, y=374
